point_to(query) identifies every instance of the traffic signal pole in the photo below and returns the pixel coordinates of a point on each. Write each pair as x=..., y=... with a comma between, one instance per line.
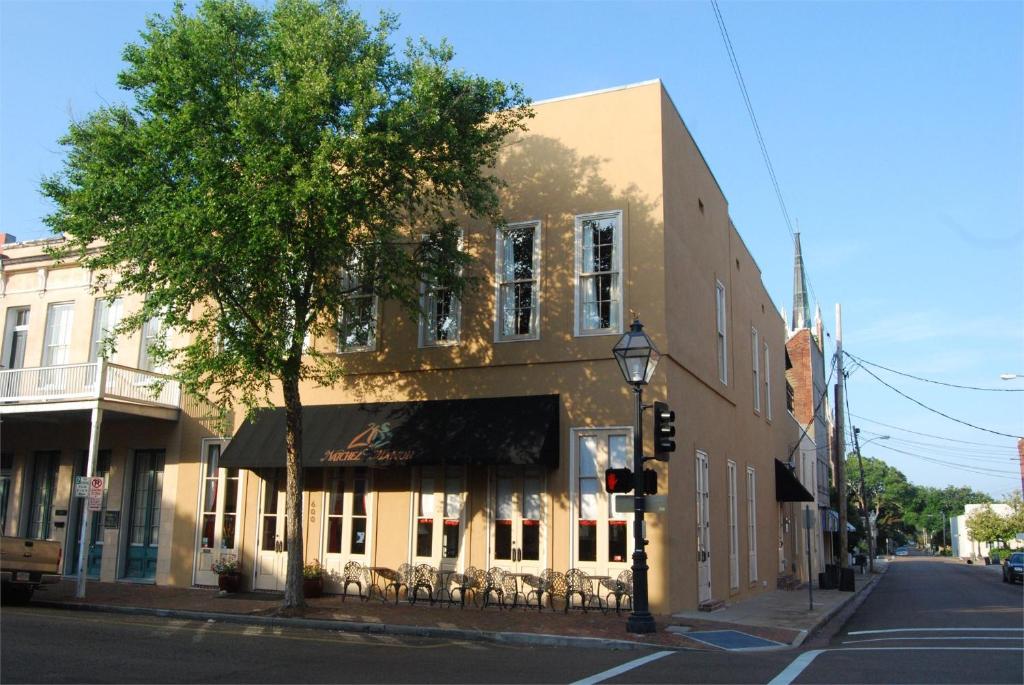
x=640, y=619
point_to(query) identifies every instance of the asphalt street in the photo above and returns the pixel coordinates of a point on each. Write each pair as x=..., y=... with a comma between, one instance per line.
x=927, y=620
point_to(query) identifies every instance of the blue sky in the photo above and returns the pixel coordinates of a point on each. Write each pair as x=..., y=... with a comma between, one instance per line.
x=895, y=131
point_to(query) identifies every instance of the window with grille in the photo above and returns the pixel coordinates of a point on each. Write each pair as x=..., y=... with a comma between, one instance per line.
x=599, y=273
x=518, y=269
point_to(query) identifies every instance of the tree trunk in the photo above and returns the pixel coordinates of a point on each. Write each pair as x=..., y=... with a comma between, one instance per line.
x=294, y=597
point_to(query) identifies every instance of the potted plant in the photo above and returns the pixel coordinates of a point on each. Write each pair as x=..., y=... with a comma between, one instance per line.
x=313, y=579
x=229, y=573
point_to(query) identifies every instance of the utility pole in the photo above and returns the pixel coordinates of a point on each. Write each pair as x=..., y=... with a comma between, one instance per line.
x=840, y=453
x=864, y=503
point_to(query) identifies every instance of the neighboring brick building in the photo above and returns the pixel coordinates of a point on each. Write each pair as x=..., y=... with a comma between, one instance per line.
x=806, y=377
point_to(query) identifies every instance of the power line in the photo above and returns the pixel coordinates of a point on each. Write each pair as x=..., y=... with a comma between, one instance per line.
x=928, y=380
x=981, y=470
x=930, y=435
x=934, y=411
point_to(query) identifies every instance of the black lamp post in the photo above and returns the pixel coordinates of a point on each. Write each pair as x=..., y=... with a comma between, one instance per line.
x=637, y=356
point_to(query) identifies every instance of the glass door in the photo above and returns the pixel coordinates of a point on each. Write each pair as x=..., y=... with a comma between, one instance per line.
x=218, y=513
x=44, y=480
x=603, y=541
x=272, y=554
x=347, y=530
x=94, y=555
x=439, y=523
x=703, y=530
x=518, y=540
x=144, y=526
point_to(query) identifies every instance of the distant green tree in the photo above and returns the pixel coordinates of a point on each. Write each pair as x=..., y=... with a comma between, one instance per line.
x=274, y=162
x=888, y=493
x=931, y=509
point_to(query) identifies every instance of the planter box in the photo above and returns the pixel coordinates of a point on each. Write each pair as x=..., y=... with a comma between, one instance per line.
x=312, y=587
x=229, y=582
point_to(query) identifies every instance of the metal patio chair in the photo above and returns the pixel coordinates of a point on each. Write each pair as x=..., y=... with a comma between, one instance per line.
x=620, y=588
x=356, y=574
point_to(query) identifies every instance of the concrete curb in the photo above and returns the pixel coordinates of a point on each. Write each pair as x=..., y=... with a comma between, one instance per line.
x=853, y=602
x=538, y=639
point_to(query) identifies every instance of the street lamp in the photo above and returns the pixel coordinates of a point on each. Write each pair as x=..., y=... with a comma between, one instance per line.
x=1011, y=376
x=864, y=497
x=637, y=356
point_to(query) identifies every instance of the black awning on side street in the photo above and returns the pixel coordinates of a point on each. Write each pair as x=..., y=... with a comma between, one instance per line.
x=495, y=430
x=787, y=487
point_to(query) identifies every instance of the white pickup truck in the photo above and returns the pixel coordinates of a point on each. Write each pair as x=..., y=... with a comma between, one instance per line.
x=25, y=565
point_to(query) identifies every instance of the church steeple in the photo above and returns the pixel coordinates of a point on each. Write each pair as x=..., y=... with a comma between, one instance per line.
x=801, y=309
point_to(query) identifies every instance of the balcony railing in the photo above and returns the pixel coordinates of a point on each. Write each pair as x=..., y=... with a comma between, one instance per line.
x=82, y=382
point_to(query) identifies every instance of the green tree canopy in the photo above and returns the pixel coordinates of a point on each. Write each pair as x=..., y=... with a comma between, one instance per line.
x=272, y=162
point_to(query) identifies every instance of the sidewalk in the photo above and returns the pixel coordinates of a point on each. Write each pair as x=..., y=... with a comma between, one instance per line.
x=781, y=616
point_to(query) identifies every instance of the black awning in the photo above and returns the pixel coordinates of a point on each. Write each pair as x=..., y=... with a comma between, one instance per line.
x=495, y=430
x=787, y=487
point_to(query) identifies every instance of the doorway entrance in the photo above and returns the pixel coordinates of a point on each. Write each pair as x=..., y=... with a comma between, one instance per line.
x=144, y=524
x=703, y=531
x=94, y=554
x=272, y=555
x=517, y=528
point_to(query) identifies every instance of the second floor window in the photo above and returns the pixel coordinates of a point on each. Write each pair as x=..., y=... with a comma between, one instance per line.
x=357, y=323
x=439, y=324
x=152, y=332
x=57, y=348
x=599, y=273
x=755, y=347
x=767, y=384
x=105, y=317
x=720, y=323
x=518, y=263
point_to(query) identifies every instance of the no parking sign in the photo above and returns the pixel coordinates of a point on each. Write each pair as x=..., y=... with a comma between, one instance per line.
x=96, y=493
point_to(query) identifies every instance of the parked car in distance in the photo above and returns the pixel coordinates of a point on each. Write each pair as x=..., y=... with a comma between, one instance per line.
x=902, y=552
x=26, y=564
x=1013, y=568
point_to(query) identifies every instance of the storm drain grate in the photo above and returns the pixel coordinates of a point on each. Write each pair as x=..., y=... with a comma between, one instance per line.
x=732, y=640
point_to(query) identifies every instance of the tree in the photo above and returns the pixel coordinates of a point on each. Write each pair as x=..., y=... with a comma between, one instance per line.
x=274, y=163
x=888, y=493
x=986, y=525
x=931, y=508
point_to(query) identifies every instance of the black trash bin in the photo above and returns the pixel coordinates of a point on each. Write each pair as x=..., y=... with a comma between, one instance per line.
x=846, y=580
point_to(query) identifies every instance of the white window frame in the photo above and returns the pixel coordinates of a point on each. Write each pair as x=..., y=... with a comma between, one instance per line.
x=722, y=332
x=499, y=270
x=734, y=534
x=57, y=343
x=428, y=331
x=152, y=329
x=767, y=383
x=752, y=524
x=106, y=315
x=11, y=331
x=605, y=502
x=343, y=323
x=428, y=298
x=755, y=346
x=615, y=317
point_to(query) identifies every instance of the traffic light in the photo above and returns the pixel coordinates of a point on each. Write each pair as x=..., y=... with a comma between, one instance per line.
x=650, y=482
x=664, y=431
x=618, y=480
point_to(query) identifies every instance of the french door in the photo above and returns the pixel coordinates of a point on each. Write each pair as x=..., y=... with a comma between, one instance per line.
x=272, y=553
x=703, y=530
x=347, y=526
x=518, y=537
x=144, y=524
x=44, y=481
x=221, y=495
x=94, y=555
x=439, y=524
x=602, y=542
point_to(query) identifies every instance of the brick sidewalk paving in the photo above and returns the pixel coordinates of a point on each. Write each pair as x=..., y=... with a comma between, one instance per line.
x=781, y=616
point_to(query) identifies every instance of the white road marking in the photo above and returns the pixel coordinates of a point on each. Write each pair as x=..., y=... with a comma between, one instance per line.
x=628, y=666
x=891, y=639
x=201, y=632
x=790, y=673
x=938, y=630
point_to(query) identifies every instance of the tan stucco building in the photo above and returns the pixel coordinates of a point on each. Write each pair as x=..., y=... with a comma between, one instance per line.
x=476, y=437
